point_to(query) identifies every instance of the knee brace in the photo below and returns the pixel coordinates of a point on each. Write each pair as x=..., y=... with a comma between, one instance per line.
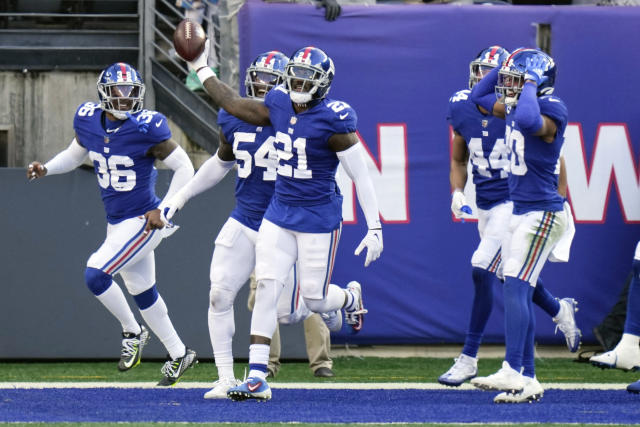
x=147, y=298
x=97, y=280
x=221, y=299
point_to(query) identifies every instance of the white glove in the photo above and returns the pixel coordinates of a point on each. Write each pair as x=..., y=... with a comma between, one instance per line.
x=373, y=242
x=459, y=204
x=173, y=205
x=202, y=60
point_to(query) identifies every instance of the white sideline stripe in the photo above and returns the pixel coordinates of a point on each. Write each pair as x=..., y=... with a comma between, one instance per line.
x=301, y=386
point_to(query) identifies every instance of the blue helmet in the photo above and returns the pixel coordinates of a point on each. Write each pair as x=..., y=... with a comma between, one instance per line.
x=121, y=90
x=485, y=61
x=308, y=75
x=511, y=75
x=264, y=73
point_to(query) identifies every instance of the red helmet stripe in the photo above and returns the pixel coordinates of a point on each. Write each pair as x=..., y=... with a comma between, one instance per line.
x=494, y=49
x=123, y=69
x=269, y=57
x=306, y=52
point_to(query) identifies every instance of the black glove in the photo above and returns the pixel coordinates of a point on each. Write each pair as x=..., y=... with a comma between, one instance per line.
x=332, y=9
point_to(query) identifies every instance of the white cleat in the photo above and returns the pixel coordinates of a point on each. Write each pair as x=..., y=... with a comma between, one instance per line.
x=464, y=368
x=532, y=392
x=333, y=320
x=355, y=316
x=506, y=379
x=566, y=322
x=221, y=387
x=621, y=358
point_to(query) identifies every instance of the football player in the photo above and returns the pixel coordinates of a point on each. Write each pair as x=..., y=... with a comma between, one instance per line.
x=302, y=223
x=479, y=138
x=123, y=141
x=534, y=131
x=251, y=148
x=626, y=355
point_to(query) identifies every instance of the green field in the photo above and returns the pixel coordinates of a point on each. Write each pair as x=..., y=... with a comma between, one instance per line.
x=347, y=369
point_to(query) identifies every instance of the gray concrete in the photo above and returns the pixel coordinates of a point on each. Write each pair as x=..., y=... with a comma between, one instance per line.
x=49, y=229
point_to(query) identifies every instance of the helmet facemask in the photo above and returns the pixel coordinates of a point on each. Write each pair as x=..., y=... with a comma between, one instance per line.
x=119, y=98
x=305, y=82
x=509, y=86
x=477, y=70
x=260, y=80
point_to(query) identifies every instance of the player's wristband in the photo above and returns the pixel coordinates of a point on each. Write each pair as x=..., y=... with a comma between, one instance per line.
x=204, y=73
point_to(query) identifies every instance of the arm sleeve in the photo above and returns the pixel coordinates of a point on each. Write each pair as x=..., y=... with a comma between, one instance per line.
x=210, y=173
x=353, y=163
x=67, y=160
x=179, y=161
x=483, y=92
x=527, y=114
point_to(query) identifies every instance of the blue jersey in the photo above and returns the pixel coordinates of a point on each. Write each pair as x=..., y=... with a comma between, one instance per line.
x=488, y=153
x=255, y=158
x=307, y=197
x=125, y=172
x=535, y=164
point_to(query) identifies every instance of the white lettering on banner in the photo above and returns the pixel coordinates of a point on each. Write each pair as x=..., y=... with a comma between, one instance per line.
x=390, y=179
x=612, y=158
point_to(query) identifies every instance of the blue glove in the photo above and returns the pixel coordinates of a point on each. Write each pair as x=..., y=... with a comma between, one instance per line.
x=536, y=66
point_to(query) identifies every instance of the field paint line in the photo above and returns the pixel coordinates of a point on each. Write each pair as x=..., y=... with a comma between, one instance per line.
x=302, y=386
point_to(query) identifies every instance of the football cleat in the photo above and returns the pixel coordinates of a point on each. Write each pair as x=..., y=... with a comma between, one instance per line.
x=251, y=388
x=621, y=358
x=221, y=387
x=532, y=392
x=333, y=320
x=634, y=387
x=464, y=368
x=506, y=379
x=566, y=322
x=355, y=316
x=173, y=369
x=132, y=346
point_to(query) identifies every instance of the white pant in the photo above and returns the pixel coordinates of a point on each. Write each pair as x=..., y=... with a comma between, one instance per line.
x=532, y=237
x=233, y=261
x=493, y=229
x=278, y=249
x=128, y=251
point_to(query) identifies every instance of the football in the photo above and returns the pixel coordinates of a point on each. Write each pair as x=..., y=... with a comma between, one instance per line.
x=189, y=39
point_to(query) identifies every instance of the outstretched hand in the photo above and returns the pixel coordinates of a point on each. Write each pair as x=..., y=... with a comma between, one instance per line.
x=36, y=170
x=202, y=60
x=536, y=66
x=373, y=242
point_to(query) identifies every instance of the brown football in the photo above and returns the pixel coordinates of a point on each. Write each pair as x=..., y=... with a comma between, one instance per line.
x=189, y=39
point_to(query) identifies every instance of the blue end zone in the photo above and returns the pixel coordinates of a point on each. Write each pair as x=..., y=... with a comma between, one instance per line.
x=319, y=406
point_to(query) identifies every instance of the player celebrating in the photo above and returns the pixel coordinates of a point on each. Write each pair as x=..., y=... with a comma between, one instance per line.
x=251, y=148
x=479, y=137
x=534, y=132
x=123, y=141
x=303, y=221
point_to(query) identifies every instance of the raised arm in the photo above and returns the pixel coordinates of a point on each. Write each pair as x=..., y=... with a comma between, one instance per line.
x=528, y=114
x=250, y=110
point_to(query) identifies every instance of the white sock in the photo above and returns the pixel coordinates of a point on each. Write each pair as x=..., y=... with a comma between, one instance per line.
x=113, y=299
x=265, y=310
x=629, y=341
x=157, y=317
x=258, y=355
x=221, y=329
x=350, y=305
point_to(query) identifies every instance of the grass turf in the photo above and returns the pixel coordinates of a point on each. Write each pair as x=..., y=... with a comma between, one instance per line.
x=347, y=369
